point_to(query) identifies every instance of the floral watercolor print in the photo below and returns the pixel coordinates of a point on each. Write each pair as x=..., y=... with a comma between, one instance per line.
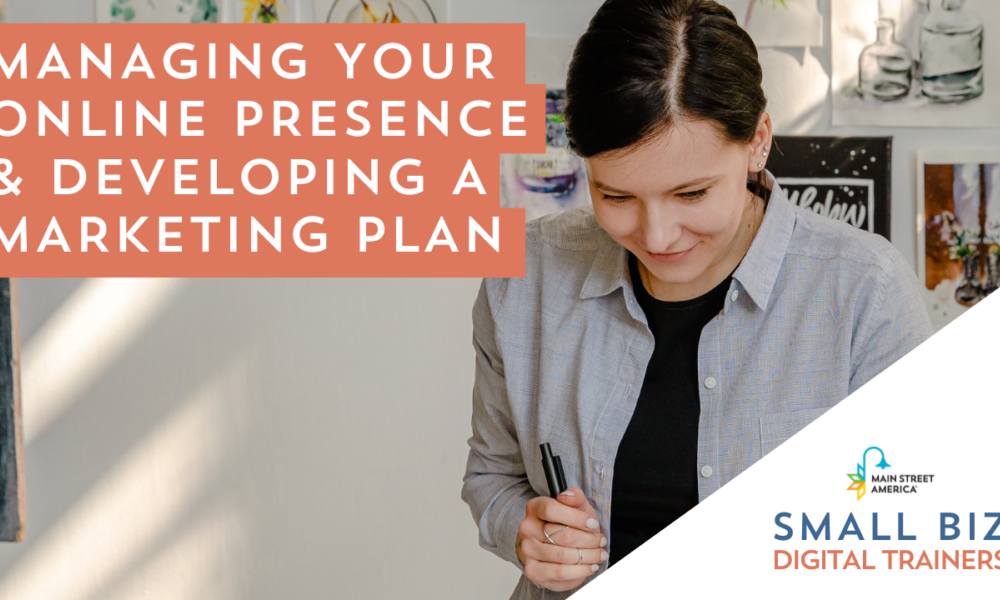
x=959, y=241
x=380, y=11
x=156, y=11
x=267, y=11
x=915, y=63
x=547, y=183
x=780, y=23
x=263, y=11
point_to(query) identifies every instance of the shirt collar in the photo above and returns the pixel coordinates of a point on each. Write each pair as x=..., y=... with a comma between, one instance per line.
x=757, y=273
x=608, y=271
x=759, y=269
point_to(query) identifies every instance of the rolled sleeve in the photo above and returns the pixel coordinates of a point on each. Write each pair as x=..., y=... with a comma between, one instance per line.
x=893, y=323
x=495, y=485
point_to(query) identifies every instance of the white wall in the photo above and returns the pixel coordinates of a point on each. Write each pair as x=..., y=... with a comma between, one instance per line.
x=254, y=439
x=50, y=11
x=263, y=439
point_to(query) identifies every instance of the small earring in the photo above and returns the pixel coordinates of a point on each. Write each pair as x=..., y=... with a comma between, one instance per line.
x=760, y=165
x=765, y=154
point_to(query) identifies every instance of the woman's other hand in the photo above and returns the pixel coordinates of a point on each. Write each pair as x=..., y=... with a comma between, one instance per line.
x=571, y=523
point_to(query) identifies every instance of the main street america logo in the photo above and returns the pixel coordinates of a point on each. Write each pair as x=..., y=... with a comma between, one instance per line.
x=860, y=479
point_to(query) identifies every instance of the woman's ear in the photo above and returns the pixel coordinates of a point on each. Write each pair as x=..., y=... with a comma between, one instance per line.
x=760, y=145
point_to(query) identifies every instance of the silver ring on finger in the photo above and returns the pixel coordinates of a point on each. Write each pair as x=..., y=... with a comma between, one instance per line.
x=581, y=556
x=548, y=538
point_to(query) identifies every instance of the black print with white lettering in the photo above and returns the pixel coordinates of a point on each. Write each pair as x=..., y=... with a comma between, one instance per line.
x=847, y=179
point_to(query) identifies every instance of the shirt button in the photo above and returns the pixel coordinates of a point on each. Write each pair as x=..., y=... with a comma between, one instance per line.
x=706, y=471
x=710, y=382
x=735, y=295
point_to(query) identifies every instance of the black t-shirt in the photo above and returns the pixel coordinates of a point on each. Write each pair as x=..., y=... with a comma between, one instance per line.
x=656, y=468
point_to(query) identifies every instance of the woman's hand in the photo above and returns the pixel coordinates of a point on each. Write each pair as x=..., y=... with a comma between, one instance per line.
x=571, y=524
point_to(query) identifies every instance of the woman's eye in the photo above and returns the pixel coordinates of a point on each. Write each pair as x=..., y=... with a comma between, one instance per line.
x=615, y=199
x=693, y=195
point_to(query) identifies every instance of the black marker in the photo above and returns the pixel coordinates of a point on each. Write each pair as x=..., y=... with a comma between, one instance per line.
x=561, y=474
x=554, y=474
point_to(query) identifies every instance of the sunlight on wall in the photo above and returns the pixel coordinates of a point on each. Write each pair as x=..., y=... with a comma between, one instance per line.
x=148, y=499
x=797, y=87
x=77, y=345
x=194, y=566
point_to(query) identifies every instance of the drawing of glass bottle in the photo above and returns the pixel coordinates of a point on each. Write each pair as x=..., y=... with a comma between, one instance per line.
x=992, y=282
x=885, y=68
x=951, y=52
x=969, y=289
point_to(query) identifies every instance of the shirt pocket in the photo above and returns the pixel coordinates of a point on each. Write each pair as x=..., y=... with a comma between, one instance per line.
x=777, y=427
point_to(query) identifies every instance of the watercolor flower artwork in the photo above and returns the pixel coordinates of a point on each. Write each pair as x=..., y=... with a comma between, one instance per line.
x=157, y=11
x=378, y=11
x=958, y=242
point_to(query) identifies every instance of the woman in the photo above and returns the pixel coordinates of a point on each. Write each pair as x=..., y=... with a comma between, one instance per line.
x=692, y=319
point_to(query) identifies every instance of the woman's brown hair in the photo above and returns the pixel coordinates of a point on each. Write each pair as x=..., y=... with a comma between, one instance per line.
x=642, y=64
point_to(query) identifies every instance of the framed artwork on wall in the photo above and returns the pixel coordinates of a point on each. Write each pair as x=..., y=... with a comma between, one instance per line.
x=381, y=11
x=266, y=11
x=915, y=63
x=12, y=498
x=958, y=229
x=156, y=11
x=545, y=183
x=844, y=178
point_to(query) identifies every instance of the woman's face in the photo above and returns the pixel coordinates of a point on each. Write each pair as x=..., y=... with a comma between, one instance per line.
x=677, y=201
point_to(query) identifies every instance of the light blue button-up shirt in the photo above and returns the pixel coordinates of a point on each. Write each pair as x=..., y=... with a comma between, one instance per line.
x=815, y=309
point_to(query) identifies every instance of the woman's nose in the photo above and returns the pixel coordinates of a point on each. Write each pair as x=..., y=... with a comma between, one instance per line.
x=660, y=229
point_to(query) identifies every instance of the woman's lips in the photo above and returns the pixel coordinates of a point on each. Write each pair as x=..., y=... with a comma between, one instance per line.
x=671, y=257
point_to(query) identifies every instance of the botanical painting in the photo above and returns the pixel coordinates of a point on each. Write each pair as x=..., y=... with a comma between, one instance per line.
x=267, y=11
x=959, y=237
x=156, y=11
x=380, y=11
